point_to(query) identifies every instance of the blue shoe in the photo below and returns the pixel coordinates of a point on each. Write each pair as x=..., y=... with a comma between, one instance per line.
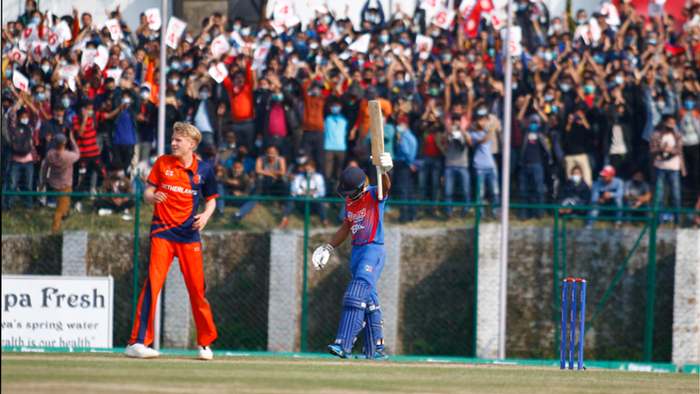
x=380, y=354
x=337, y=351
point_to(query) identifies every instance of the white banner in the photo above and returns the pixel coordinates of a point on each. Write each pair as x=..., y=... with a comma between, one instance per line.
x=54, y=39
x=332, y=35
x=153, y=18
x=259, y=56
x=424, y=44
x=17, y=55
x=39, y=49
x=116, y=74
x=64, y=30
x=102, y=57
x=218, y=73
x=443, y=19
x=220, y=46
x=115, y=30
x=175, y=29
x=57, y=311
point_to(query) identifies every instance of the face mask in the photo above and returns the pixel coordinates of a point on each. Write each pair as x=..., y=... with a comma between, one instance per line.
x=589, y=89
x=277, y=96
x=335, y=110
x=548, y=98
x=204, y=95
x=482, y=111
x=446, y=57
x=8, y=72
x=41, y=96
x=145, y=95
x=689, y=104
x=36, y=20
x=313, y=46
x=515, y=86
x=400, y=129
x=319, y=59
x=258, y=144
x=126, y=100
x=24, y=120
x=565, y=87
x=547, y=56
x=399, y=82
x=598, y=59
x=88, y=113
x=534, y=127
x=289, y=49
x=388, y=60
x=381, y=78
x=576, y=178
x=435, y=33
x=360, y=62
x=434, y=92
x=661, y=104
x=522, y=7
x=384, y=38
x=152, y=160
x=186, y=65
x=65, y=102
x=619, y=79
x=45, y=68
x=582, y=21
x=33, y=82
x=557, y=27
x=651, y=41
x=245, y=31
x=301, y=160
x=555, y=109
x=174, y=81
x=236, y=27
x=403, y=40
x=576, y=60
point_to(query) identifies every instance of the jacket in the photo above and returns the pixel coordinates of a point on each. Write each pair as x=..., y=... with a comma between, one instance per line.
x=61, y=165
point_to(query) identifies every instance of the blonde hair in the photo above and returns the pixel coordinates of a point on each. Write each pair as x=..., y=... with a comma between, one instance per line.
x=188, y=130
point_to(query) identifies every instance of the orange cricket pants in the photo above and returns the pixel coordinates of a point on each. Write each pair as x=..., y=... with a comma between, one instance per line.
x=190, y=256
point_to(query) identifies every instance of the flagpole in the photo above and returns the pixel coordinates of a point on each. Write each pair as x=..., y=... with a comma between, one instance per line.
x=505, y=186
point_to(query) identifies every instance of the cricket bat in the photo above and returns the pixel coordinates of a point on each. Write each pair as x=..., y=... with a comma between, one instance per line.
x=376, y=127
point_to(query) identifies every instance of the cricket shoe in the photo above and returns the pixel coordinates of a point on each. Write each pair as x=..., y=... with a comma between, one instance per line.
x=205, y=353
x=380, y=354
x=139, y=350
x=337, y=351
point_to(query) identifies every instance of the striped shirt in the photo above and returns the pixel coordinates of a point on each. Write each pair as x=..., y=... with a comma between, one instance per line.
x=87, y=143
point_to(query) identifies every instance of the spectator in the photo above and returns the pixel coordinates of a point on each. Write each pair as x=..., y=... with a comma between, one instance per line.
x=404, y=168
x=88, y=169
x=281, y=120
x=57, y=169
x=689, y=126
x=637, y=191
x=456, y=143
x=204, y=114
x=240, y=89
x=336, y=127
x=54, y=126
x=270, y=171
x=534, y=157
x=227, y=151
x=617, y=138
x=430, y=128
x=484, y=165
x=143, y=170
x=608, y=190
x=116, y=183
x=128, y=105
x=21, y=160
x=306, y=183
x=576, y=142
x=666, y=147
x=312, y=123
x=574, y=192
x=231, y=181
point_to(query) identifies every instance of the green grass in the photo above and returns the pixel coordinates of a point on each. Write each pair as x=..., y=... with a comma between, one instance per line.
x=105, y=373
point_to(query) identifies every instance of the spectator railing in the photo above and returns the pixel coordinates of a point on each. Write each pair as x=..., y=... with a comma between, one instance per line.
x=438, y=286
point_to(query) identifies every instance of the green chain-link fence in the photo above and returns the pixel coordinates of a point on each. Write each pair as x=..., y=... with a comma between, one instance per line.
x=436, y=269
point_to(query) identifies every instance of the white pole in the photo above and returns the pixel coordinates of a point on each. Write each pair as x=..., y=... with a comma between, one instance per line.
x=505, y=186
x=161, y=139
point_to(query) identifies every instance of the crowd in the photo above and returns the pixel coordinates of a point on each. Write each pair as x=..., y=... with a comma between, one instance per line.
x=605, y=106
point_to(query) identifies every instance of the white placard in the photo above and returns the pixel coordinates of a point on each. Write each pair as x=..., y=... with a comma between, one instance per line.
x=64, y=30
x=423, y=43
x=361, y=44
x=69, y=71
x=443, y=19
x=57, y=311
x=22, y=83
x=17, y=55
x=39, y=49
x=283, y=10
x=218, y=73
x=655, y=9
x=175, y=29
x=259, y=56
x=220, y=46
x=609, y=10
x=430, y=4
x=115, y=30
x=516, y=35
x=278, y=25
x=498, y=19
x=153, y=18
x=88, y=59
x=237, y=39
x=116, y=74
x=54, y=40
x=102, y=57
x=466, y=6
x=30, y=33
x=292, y=21
x=332, y=35
x=595, y=29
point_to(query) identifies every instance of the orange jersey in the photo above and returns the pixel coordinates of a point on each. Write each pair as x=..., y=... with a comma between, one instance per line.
x=173, y=218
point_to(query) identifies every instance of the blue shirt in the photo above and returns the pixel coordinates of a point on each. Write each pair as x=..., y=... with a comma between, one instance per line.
x=367, y=217
x=336, y=127
x=483, y=158
x=201, y=118
x=124, y=130
x=407, y=148
x=616, y=188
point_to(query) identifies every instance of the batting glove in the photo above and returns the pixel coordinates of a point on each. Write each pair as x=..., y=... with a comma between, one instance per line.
x=386, y=164
x=321, y=256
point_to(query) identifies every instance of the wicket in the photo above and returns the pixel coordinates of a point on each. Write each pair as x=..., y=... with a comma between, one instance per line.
x=582, y=322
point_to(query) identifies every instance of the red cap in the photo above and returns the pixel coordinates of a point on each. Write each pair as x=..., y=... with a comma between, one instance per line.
x=608, y=171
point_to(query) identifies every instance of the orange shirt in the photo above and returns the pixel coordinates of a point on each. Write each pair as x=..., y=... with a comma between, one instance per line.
x=313, y=109
x=241, y=101
x=362, y=122
x=173, y=218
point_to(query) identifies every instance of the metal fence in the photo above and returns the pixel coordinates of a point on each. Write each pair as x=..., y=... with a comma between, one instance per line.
x=629, y=272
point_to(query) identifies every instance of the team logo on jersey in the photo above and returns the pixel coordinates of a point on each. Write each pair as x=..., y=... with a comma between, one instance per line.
x=368, y=268
x=197, y=179
x=169, y=172
x=357, y=216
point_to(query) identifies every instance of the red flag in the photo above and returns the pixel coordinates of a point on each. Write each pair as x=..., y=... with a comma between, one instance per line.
x=673, y=50
x=471, y=22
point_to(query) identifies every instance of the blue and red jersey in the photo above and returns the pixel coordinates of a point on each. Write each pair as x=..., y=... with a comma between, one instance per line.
x=173, y=218
x=367, y=217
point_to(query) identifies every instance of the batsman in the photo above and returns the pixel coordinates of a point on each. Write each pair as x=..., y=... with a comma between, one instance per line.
x=364, y=220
